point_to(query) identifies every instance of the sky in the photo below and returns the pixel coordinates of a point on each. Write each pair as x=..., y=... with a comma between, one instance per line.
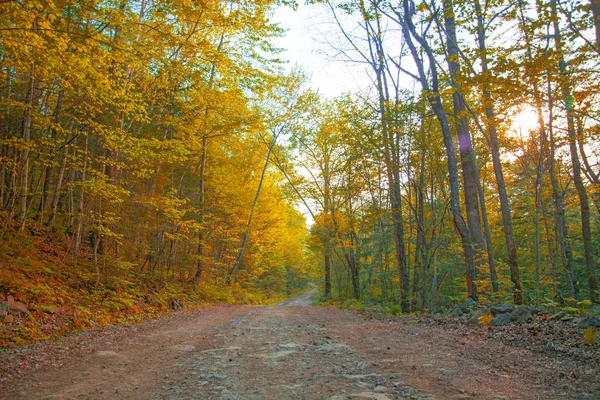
x=305, y=42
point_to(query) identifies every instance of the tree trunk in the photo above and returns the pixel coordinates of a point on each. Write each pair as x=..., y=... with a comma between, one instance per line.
x=80, y=205
x=435, y=102
x=467, y=156
x=595, y=6
x=200, y=248
x=392, y=167
x=562, y=232
x=238, y=260
x=26, y=134
x=579, y=186
x=497, y=164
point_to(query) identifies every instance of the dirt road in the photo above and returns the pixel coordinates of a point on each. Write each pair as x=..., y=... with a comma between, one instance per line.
x=280, y=352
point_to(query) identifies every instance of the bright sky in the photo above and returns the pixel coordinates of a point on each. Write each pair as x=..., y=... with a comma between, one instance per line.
x=309, y=28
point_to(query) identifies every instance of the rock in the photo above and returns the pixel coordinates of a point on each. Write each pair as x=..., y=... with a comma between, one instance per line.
x=359, y=376
x=502, y=309
x=456, y=312
x=593, y=310
x=589, y=321
x=557, y=316
x=381, y=389
x=521, y=315
x=183, y=347
x=219, y=377
x=333, y=347
x=501, y=319
x=288, y=345
x=539, y=311
x=3, y=308
x=106, y=353
x=470, y=303
x=231, y=348
x=276, y=355
x=475, y=315
x=370, y=395
x=449, y=372
x=16, y=305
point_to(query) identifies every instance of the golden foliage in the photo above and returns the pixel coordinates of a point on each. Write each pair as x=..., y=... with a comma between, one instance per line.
x=485, y=319
x=590, y=336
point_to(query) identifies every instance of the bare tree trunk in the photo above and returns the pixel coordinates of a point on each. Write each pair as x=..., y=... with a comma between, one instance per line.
x=420, y=243
x=551, y=251
x=238, y=260
x=58, y=187
x=588, y=169
x=79, y=229
x=435, y=102
x=579, y=186
x=559, y=206
x=378, y=63
x=200, y=248
x=25, y=153
x=595, y=6
x=467, y=155
x=497, y=164
x=327, y=264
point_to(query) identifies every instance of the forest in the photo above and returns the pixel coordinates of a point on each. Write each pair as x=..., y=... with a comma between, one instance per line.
x=154, y=153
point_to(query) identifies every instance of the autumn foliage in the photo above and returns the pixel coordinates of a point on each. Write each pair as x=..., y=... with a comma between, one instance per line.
x=132, y=140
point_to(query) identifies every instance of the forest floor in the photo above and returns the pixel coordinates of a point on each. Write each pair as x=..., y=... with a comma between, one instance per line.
x=293, y=351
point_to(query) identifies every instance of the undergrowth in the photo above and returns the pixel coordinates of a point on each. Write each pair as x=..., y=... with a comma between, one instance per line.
x=64, y=296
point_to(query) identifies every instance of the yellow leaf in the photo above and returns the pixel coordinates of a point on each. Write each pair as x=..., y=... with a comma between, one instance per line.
x=590, y=336
x=485, y=319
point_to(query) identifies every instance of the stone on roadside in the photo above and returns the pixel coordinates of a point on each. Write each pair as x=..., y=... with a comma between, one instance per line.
x=469, y=302
x=590, y=321
x=593, y=310
x=456, y=312
x=557, y=316
x=502, y=309
x=501, y=319
x=521, y=315
x=539, y=311
x=475, y=315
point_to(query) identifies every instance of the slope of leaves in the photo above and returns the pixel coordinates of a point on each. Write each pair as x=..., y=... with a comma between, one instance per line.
x=63, y=296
